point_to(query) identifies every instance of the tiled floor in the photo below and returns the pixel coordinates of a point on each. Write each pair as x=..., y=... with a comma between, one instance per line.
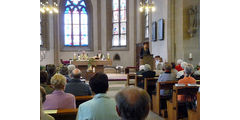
x=115, y=86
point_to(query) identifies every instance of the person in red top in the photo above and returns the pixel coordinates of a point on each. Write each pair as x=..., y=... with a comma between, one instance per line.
x=178, y=66
x=188, y=79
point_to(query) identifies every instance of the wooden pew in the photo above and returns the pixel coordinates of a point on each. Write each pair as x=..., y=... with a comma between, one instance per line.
x=130, y=76
x=147, y=80
x=156, y=99
x=137, y=79
x=195, y=114
x=172, y=106
x=198, y=81
x=63, y=114
x=81, y=99
x=128, y=69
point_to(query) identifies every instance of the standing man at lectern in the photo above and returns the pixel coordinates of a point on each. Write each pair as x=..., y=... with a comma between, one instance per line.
x=144, y=50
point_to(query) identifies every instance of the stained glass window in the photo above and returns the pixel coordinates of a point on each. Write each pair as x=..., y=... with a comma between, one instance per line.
x=75, y=23
x=146, y=22
x=119, y=22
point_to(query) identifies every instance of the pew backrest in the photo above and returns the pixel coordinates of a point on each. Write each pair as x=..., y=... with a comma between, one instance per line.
x=63, y=114
x=81, y=99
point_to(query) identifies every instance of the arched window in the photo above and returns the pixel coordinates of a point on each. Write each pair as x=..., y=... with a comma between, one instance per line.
x=119, y=21
x=76, y=23
x=146, y=22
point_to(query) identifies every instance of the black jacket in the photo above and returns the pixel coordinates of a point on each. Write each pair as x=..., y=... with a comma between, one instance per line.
x=143, y=52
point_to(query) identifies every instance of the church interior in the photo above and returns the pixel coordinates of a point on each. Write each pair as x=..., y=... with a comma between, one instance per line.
x=120, y=59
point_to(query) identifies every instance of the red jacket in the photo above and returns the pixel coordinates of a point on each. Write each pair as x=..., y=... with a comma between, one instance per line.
x=179, y=68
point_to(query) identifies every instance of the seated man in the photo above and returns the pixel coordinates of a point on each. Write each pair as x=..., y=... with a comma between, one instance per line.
x=101, y=107
x=76, y=86
x=132, y=103
x=59, y=99
x=166, y=76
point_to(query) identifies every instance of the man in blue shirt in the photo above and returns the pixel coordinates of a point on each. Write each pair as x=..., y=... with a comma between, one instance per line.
x=101, y=107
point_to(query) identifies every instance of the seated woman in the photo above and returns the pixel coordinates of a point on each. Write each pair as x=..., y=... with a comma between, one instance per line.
x=59, y=99
x=188, y=100
x=188, y=79
x=179, y=67
x=44, y=81
x=43, y=116
x=180, y=74
x=147, y=73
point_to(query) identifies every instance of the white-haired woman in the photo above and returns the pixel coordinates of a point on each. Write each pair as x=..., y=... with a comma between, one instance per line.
x=59, y=99
x=180, y=74
x=178, y=67
x=147, y=73
x=141, y=70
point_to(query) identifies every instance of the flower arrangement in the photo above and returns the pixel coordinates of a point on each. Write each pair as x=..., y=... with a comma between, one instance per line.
x=90, y=63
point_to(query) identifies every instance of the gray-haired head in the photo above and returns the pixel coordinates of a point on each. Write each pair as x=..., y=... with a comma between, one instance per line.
x=76, y=73
x=167, y=67
x=141, y=67
x=188, y=69
x=132, y=103
x=179, y=61
x=147, y=67
x=71, y=68
x=184, y=64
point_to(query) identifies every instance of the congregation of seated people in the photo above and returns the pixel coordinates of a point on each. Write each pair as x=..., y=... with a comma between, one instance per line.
x=63, y=97
x=59, y=89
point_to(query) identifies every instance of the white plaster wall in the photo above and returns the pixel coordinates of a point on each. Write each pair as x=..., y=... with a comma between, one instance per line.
x=160, y=47
x=183, y=46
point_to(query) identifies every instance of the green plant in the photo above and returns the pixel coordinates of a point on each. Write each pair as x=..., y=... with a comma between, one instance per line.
x=90, y=61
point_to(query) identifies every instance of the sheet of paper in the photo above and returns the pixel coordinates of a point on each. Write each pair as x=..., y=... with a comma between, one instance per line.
x=50, y=111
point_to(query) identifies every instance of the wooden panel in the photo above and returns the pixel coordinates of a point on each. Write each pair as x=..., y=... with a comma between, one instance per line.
x=147, y=80
x=166, y=85
x=195, y=114
x=179, y=90
x=81, y=99
x=130, y=76
x=96, y=62
x=65, y=114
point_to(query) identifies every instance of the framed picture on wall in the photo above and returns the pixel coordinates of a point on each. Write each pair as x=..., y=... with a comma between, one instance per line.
x=160, y=33
x=154, y=31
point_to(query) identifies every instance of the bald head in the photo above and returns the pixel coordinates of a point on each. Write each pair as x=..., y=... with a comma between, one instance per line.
x=76, y=73
x=133, y=103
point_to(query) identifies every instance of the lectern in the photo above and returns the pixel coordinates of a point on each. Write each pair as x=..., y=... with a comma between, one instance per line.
x=148, y=59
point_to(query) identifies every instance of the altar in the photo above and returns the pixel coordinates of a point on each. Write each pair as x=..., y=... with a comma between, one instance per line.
x=98, y=65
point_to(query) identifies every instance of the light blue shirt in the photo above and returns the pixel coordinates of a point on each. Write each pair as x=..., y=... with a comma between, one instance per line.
x=101, y=107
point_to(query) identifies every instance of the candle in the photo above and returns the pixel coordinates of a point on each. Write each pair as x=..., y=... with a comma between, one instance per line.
x=190, y=55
